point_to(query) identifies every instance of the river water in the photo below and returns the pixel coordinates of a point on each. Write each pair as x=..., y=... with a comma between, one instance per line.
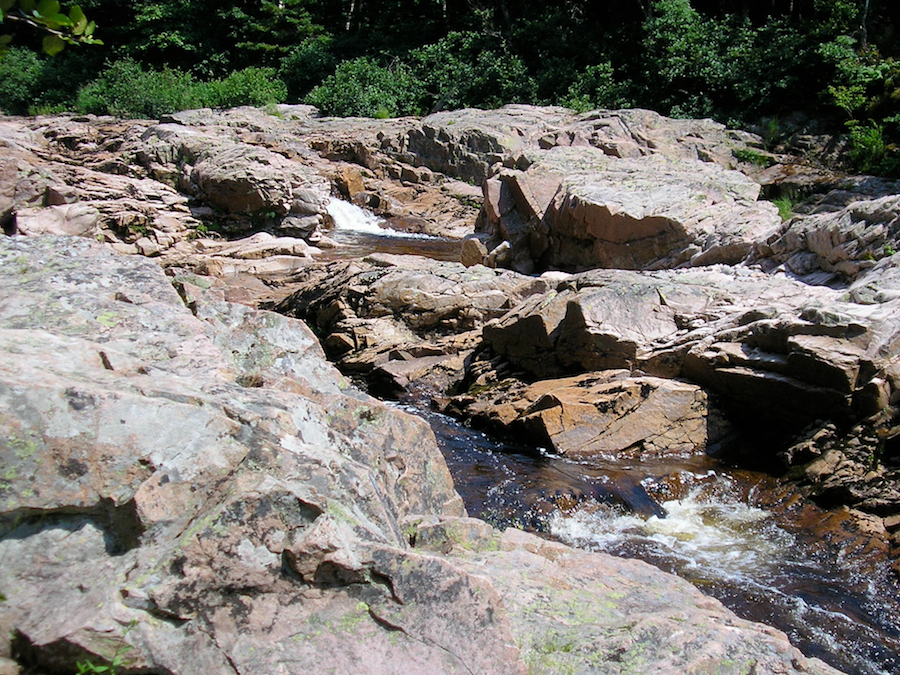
x=742, y=537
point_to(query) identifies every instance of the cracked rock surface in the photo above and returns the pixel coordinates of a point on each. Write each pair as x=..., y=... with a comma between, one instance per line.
x=188, y=486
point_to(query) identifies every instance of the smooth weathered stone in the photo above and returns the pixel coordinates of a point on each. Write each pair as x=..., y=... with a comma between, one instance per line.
x=577, y=208
x=768, y=345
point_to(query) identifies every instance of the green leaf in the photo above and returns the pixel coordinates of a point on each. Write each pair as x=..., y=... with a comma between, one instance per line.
x=26, y=6
x=47, y=8
x=78, y=19
x=53, y=44
x=58, y=20
x=7, y=5
x=89, y=30
x=5, y=40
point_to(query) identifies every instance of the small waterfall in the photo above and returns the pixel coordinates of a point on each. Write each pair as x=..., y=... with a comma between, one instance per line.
x=349, y=217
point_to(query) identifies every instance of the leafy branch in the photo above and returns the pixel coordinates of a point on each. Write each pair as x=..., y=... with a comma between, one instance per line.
x=46, y=15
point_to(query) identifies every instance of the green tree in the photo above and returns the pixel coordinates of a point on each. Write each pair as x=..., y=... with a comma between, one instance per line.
x=212, y=39
x=307, y=65
x=471, y=69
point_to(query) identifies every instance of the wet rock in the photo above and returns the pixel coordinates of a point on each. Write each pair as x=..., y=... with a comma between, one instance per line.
x=857, y=467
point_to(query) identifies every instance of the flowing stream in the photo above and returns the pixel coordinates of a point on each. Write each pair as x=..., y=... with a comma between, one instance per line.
x=742, y=537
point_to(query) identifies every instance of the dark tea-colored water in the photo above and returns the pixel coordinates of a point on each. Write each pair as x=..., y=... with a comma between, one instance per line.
x=759, y=563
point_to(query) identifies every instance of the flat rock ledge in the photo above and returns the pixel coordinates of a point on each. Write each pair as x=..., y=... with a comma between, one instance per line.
x=188, y=486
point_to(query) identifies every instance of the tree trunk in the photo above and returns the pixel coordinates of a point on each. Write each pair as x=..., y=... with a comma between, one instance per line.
x=350, y=14
x=646, y=8
x=863, y=30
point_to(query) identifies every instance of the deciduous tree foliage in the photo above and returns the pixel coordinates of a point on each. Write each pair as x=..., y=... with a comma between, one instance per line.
x=740, y=61
x=59, y=27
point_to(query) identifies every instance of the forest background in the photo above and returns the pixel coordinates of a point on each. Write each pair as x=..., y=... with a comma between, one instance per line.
x=822, y=66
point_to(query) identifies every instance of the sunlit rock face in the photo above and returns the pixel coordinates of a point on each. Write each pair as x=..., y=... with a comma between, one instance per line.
x=188, y=485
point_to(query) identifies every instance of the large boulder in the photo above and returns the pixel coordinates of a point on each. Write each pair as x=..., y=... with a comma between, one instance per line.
x=608, y=415
x=567, y=630
x=578, y=208
x=229, y=175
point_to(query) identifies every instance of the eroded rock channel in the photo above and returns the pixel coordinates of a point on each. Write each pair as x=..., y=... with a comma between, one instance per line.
x=618, y=460
x=199, y=489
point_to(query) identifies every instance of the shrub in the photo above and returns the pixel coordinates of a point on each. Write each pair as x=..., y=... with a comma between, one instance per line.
x=785, y=205
x=125, y=89
x=363, y=88
x=251, y=86
x=593, y=88
x=20, y=75
x=467, y=69
x=866, y=149
x=756, y=157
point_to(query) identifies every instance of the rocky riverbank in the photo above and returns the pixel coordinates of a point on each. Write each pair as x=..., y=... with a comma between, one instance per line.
x=196, y=470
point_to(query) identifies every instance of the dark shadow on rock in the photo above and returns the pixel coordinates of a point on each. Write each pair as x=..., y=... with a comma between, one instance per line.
x=121, y=526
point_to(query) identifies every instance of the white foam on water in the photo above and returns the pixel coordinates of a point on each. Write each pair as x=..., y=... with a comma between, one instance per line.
x=712, y=537
x=349, y=217
x=712, y=534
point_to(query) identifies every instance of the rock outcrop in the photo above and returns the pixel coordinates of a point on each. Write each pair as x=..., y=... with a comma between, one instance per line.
x=200, y=489
x=188, y=486
x=399, y=320
x=155, y=187
x=768, y=345
x=835, y=244
x=620, y=189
